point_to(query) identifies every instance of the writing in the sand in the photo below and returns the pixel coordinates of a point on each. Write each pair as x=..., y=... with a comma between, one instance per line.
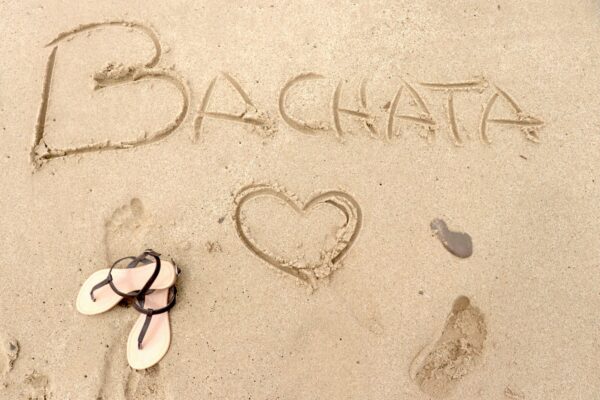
x=387, y=130
x=406, y=105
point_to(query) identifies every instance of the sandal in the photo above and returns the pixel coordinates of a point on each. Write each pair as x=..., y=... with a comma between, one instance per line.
x=98, y=294
x=150, y=336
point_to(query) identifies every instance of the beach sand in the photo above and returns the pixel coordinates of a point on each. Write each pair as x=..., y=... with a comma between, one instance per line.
x=291, y=157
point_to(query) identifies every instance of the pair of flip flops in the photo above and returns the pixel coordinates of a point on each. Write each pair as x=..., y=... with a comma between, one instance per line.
x=149, y=283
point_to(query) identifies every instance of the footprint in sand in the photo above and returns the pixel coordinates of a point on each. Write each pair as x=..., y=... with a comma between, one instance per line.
x=127, y=230
x=118, y=379
x=145, y=384
x=131, y=229
x=111, y=384
x=438, y=368
x=9, y=352
x=37, y=387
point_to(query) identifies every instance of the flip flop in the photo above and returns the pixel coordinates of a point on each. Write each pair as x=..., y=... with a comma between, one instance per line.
x=150, y=336
x=107, y=287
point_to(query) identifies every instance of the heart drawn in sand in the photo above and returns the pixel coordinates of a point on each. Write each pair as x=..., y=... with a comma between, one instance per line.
x=330, y=258
x=113, y=74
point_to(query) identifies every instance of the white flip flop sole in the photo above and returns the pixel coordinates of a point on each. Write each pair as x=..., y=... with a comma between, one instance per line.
x=158, y=336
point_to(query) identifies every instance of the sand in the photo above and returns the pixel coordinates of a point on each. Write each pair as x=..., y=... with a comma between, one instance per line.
x=290, y=157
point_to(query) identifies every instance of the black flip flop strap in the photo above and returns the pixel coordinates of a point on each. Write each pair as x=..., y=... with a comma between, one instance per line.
x=132, y=264
x=109, y=278
x=142, y=292
x=151, y=312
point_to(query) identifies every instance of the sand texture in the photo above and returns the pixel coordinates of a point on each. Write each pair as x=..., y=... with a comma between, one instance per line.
x=368, y=200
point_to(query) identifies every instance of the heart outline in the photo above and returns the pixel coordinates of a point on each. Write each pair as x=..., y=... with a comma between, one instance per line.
x=337, y=198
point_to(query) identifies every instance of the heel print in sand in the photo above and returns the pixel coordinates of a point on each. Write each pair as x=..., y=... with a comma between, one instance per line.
x=439, y=367
x=112, y=75
x=145, y=384
x=255, y=207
